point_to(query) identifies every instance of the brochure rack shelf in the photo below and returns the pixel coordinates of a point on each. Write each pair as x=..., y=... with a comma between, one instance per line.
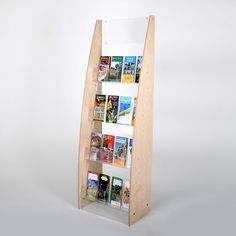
x=110, y=212
x=109, y=164
x=103, y=204
x=139, y=174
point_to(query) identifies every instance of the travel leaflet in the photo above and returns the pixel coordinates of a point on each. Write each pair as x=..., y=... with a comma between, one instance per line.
x=106, y=153
x=99, y=107
x=129, y=69
x=129, y=154
x=126, y=195
x=104, y=68
x=115, y=71
x=104, y=186
x=138, y=68
x=112, y=108
x=92, y=186
x=125, y=114
x=95, y=145
x=120, y=152
x=134, y=111
x=116, y=192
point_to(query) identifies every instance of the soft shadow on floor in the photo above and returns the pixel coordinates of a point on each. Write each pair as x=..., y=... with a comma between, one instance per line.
x=57, y=177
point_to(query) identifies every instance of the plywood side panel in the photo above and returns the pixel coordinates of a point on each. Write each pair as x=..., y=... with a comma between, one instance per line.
x=141, y=167
x=91, y=88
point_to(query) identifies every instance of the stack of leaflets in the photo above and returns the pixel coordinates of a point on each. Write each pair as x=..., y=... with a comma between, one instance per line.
x=120, y=110
x=129, y=154
x=126, y=193
x=129, y=69
x=134, y=112
x=99, y=108
x=115, y=69
x=98, y=188
x=116, y=192
x=111, y=149
x=104, y=186
x=120, y=152
x=95, y=146
x=106, y=153
x=92, y=186
x=104, y=68
x=138, y=69
x=125, y=114
x=125, y=69
x=112, y=108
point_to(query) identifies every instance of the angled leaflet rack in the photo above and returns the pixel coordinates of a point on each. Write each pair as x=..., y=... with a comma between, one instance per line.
x=121, y=37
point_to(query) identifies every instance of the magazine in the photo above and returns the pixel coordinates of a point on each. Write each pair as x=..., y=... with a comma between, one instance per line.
x=116, y=192
x=104, y=186
x=120, y=152
x=95, y=145
x=126, y=194
x=129, y=69
x=106, y=153
x=99, y=109
x=112, y=109
x=92, y=186
x=138, y=68
x=125, y=114
x=104, y=68
x=115, y=69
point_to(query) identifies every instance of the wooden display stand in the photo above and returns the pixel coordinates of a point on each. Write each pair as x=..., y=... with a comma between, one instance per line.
x=141, y=165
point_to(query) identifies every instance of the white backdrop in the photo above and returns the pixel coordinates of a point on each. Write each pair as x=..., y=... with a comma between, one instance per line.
x=44, y=48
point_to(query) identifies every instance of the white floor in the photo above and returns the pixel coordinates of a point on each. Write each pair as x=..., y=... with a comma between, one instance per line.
x=191, y=196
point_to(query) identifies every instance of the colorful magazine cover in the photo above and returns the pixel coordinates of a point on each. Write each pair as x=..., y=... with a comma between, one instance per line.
x=126, y=194
x=104, y=68
x=129, y=69
x=95, y=145
x=120, y=152
x=134, y=111
x=129, y=154
x=115, y=69
x=116, y=192
x=138, y=68
x=125, y=114
x=103, y=189
x=92, y=186
x=99, y=108
x=106, y=153
x=112, y=108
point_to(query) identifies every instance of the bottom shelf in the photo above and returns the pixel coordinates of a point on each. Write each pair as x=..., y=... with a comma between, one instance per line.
x=107, y=211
